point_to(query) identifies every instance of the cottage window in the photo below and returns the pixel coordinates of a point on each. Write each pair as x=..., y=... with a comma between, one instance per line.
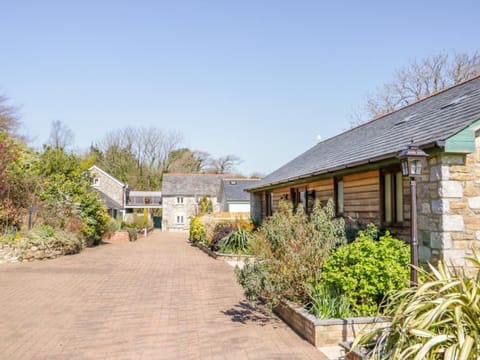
x=392, y=182
x=179, y=200
x=339, y=196
x=268, y=203
x=96, y=181
x=180, y=220
x=299, y=197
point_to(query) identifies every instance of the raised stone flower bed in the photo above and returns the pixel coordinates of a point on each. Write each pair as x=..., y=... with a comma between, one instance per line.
x=12, y=253
x=224, y=257
x=324, y=332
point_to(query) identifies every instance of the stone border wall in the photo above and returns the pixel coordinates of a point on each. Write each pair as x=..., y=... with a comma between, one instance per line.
x=325, y=332
x=9, y=253
x=224, y=257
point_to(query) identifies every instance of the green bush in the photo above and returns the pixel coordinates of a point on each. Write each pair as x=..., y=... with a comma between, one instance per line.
x=327, y=303
x=236, y=242
x=197, y=230
x=94, y=216
x=368, y=270
x=291, y=248
x=140, y=222
x=437, y=320
x=69, y=242
x=132, y=233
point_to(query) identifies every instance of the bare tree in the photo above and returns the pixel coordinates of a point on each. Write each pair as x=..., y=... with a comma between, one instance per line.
x=9, y=119
x=416, y=81
x=149, y=148
x=223, y=164
x=61, y=136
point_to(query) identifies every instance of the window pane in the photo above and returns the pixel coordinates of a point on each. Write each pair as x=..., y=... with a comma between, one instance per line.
x=388, y=197
x=340, y=196
x=399, y=196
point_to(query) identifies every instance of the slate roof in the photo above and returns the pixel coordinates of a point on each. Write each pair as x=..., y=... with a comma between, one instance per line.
x=234, y=189
x=192, y=184
x=427, y=122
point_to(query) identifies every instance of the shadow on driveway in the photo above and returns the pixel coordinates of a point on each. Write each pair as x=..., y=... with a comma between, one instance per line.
x=245, y=314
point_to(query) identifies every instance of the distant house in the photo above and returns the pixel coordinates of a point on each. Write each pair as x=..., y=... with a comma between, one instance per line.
x=112, y=191
x=233, y=197
x=359, y=169
x=181, y=194
x=119, y=199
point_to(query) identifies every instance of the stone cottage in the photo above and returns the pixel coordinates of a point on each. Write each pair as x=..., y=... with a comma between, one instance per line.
x=360, y=170
x=112, y=191
x=181, y=194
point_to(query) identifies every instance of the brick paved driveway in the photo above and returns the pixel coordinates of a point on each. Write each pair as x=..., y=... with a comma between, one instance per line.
x=157, y=298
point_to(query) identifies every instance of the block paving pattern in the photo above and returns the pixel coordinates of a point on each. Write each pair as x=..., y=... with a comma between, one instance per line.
x=157, y=298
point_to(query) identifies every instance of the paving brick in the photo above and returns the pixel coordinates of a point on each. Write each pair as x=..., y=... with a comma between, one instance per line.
x=156, y=298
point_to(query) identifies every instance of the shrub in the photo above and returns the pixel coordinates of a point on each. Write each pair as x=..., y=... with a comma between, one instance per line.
x=368, y=270
x=292, y=247
x=437, y=320
x=140, y=222
x=236, y=242
x=132, y=233
x=205, y=206
x=326, y=303
x=94, y=216
x=197, y=230
x=220, y=232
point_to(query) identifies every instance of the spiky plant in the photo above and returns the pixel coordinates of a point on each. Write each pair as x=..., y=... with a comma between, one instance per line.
x=438, y=320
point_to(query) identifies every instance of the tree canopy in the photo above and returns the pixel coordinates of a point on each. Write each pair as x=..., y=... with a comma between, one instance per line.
x=416, y=80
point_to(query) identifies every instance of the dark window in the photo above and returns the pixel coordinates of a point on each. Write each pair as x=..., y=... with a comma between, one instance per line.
x=179, y=200
x=339, y=196
x=392, y=196
x=299, y=197
x=310, y=200
x=269, y=203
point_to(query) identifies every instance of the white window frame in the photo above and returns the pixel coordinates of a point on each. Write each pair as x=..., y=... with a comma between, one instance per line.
x=96, y=181
x=179, y=199
x=180, y=219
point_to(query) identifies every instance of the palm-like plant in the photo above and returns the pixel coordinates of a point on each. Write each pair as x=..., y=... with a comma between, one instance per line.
x=438, y=320
x=236, y=241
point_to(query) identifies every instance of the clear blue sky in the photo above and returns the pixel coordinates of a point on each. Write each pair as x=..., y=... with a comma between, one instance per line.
x=259, y=79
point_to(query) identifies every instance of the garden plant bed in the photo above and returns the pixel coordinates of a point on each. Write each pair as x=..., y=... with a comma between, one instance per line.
x=323, y=332
x=224, y=257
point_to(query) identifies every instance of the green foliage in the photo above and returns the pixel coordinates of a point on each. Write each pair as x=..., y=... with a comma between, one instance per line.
x=368, y=270
x=139, y=222
x=327, y=303
x=205, y=206
x=132, y=233
x=291, y=248
x=236, y=242
x=197, y=230
x=255, y=280
x=94, y=216
x=437, y=320
x=43, y=238
x=47, y=230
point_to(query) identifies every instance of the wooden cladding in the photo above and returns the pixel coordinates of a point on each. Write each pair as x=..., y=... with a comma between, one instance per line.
x=362, y=195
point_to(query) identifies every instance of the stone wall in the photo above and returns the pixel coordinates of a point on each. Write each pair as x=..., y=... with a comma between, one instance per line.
x=449, y=207
x=11, y=253
x=326, y=332
x=109, y=187
x=188, y=209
